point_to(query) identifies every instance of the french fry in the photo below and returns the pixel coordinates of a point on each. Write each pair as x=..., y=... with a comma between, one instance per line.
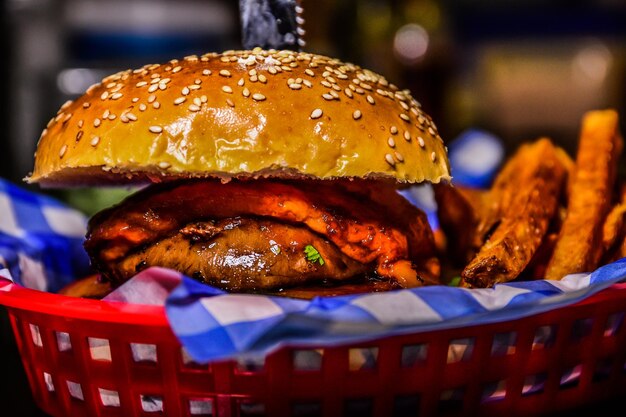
x=525, y=200
x=458, y=217
x=579, y=245
x=614, y=231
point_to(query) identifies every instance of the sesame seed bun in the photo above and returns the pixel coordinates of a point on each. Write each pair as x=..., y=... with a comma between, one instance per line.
x=241, y=114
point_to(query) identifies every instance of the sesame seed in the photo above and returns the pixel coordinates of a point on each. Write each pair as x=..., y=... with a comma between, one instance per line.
x=155, y=129
x=162, y=86
x=194, y=107
x=262, y=78
x=390, y=160
x=165, y=80
x=151, y=98
x=194, y=87
x=327, y=96
x=432, y=131
x=81, y=122
x=197, y=81
x=272, y=70
x=155, y=80
x=135, y=99
x=252, y=72
x=316, y=114
x=112, y=117
x=371, y=100
x=86, y=105
x=106, y=114
x=79, y=135
x=142, y=107
x=421, y=142
x=179, y=100
x=111, y=85
x=246, y=92
x=433, y=156
x=241, y=82
x=104, y=95
x=230, y=102
x=391, y=142
x=254, y=78
x=66, y=104
x=404, y=105
x=348, y=92
x=96, y=122
x=393, y=130
x=404, y=117
x=227, y=89
x=164, y=165
x=155, y=75
x=206, y=72
x=123, y=118
x=309, y=72
x=307, y=83
x=176, y=69
x=258, y=97
x=326, y=84
x=156, y=105
x=185, y=91
x=62, y=151
x=131, y=116
x=153, y=88
x=295, y=86
x=335, y=95
x=330, y=79
x=399, y=156
x=225, y=73
x=197, y=101
x=407, y=135
x=359, y=90
x=357, y=114
x=94, y=141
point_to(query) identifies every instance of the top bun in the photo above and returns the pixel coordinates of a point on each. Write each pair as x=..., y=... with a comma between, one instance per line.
x=241, y=114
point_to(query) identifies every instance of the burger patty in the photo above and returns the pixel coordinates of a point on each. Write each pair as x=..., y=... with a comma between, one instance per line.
x=245, y=254
x=388, y=234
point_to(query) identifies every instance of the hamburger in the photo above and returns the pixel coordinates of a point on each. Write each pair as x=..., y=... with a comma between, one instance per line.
x=261, y=171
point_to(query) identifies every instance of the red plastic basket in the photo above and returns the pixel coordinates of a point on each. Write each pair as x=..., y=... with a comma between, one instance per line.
x=79, y=360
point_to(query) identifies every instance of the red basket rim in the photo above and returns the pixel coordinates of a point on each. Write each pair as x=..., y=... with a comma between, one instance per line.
x=16, y=296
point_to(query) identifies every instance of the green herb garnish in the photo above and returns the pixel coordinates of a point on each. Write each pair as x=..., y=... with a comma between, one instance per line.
x=312, y=255
x=455, y=282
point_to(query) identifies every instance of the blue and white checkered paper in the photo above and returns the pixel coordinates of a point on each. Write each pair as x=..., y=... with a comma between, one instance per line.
x=215, y=325
x=41, y=240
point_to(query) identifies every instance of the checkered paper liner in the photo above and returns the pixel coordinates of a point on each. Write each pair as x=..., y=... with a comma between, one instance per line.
x=41, y=248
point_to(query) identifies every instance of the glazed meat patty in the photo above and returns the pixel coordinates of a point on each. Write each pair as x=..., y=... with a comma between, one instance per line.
x=249, y=235
x=245, y=254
